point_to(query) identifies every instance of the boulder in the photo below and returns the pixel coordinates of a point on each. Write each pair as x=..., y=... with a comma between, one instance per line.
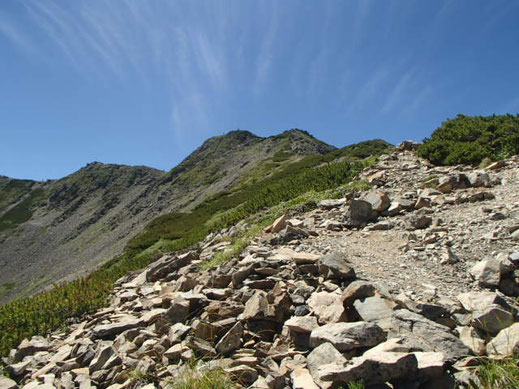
x=301, y=379
x=335, y=266
x=506, y=343
x=487, y=272
x=471, y=339
x=26, y=347
x=425, y=334
x=379, y=200
x=492, y=319
x=348, y=336
x=328, y=307
x=104, y=354
x=279, y=224
x=7, y=383
x=373, y=369
x=324, y=354
x=375, y=309
x=359, y=214
x=357, y=290
x=478, y=301
x=302, y=324
x=257, y=307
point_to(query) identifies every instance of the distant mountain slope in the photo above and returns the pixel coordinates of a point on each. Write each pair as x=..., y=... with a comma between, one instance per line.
x=63, y=229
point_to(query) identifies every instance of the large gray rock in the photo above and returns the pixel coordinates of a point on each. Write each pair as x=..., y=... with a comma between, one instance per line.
x=335, y=266
x=106, y=331
x=492, y=319
x=359, y=214
x=487, y=272
x=426, y=334
x=373, y=369
x=357, y=290
x=479, y=178
x=506, y=343
x=302, y=324
x=375, y=309
x=328, y=307
x=324, y=354
x=379, y=200
x=7, y=383
x=301, y=379
x=479, y=301
x=348, y=336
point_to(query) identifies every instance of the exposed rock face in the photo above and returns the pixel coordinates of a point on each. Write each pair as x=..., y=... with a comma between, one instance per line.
x=290, y=312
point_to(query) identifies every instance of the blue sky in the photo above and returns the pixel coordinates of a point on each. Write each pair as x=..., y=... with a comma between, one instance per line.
x=146, y=82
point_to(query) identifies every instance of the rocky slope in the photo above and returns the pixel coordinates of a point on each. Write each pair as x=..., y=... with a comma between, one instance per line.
x=401, y=285
x=63, y=229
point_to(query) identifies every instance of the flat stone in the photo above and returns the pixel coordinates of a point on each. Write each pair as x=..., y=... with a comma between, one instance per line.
x=373, y=369
x=305, y=258
x=302, y=324
x=107, y=331
x=426, y=334
x=348, y=336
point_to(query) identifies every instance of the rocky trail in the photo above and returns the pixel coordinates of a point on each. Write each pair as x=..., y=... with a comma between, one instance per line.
x=402, y=286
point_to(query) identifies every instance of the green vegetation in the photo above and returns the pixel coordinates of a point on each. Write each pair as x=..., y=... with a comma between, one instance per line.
x=12, y=191
x=22, y=211
x=195, y=378
x=357, y=385
x=470, y=140
x=298, y=184
x=495, y=374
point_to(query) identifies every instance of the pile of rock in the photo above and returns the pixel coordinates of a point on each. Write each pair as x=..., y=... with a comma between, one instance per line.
x=296, y=310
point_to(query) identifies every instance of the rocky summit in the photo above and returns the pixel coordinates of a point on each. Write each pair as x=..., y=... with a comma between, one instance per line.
x=403, y=285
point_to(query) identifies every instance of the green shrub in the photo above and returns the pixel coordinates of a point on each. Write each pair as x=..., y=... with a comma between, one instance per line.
x=194, y=378
x=495, y=374
x=470, y=140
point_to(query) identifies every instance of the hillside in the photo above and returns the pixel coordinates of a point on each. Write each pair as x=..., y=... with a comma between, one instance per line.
x=63, y=229
x=406, y=277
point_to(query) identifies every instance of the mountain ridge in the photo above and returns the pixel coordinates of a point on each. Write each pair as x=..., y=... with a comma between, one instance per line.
x=69, y=226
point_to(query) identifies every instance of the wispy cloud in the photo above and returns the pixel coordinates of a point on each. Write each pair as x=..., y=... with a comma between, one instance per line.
x=398, y=92
x=16, y=36
x=265, y=54
x=369, y=89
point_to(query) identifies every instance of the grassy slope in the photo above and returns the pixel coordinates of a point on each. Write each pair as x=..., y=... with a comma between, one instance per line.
x=49, y=310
